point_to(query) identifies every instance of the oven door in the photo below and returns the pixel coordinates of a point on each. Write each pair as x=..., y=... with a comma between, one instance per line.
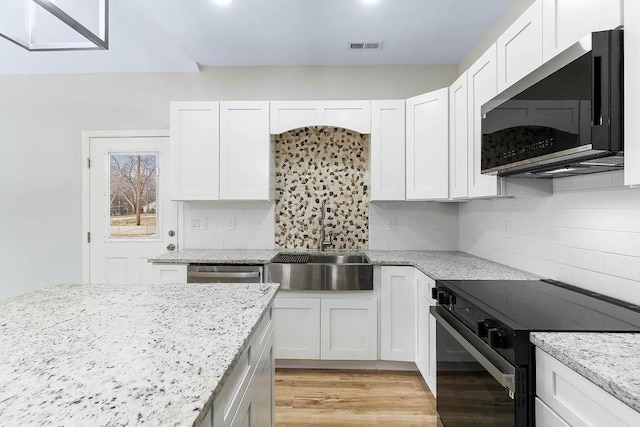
x=475, y=385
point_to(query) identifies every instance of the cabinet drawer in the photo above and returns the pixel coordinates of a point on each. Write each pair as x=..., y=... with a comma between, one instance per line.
x=545, y=417
x=576, y=399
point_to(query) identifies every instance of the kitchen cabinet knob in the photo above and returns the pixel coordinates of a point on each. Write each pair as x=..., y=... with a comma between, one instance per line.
x=171, y=247
x=172, y=233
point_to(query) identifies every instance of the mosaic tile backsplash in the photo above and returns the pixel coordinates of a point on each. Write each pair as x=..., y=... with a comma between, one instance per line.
x=319, y=163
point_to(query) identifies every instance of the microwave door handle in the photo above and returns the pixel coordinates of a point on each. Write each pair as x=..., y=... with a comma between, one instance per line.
x=596, y=90
x=506, y=379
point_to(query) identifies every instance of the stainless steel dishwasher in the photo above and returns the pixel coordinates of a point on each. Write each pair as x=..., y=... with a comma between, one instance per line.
x=207, y=273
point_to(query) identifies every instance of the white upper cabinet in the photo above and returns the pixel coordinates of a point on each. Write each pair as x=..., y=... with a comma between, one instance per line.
x=195, y=143
x=482, y=86
x=427, y=146
x=458, y=137
x=520, y=47
x=288, y=115
x=567, y=21
x=387, y=150
x=245, y=151
x=632, y=93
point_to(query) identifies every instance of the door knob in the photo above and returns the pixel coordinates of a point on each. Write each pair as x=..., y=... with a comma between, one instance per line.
x=171, y=247
x=172, y=233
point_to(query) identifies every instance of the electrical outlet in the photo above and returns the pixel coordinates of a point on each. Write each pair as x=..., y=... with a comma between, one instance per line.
x=230, y=223
x=507, y=229
x=391, y=224
x=199, y=223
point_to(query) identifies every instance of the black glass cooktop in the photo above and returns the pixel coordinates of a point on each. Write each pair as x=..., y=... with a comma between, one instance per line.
x=545, y=305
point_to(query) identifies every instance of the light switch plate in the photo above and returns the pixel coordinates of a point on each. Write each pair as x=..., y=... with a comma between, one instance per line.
x=199, y=223
x=391, y=224
x=230, y=223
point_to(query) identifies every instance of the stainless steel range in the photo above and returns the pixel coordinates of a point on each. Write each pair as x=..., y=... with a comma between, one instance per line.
x=485, y=363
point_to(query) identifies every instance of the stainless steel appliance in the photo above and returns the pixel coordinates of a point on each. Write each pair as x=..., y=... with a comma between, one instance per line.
x=565, y=118
x=321, y=272
x=207, y=273
x=485, y=362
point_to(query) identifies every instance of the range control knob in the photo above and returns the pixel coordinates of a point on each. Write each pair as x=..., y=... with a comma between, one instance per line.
x=484, y=326
x=498, y=338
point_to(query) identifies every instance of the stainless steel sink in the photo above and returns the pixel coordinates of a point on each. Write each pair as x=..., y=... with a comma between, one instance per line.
x=321, y=272
x=338, y=259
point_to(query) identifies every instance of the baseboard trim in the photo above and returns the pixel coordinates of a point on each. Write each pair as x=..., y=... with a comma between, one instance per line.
x=379, y=365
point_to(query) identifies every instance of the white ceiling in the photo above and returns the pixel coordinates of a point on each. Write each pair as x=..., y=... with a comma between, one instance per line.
x=180, y=35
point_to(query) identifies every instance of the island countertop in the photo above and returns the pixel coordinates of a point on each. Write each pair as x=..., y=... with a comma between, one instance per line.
x=122, y=354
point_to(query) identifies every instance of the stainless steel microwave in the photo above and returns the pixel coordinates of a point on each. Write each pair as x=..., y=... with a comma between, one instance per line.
x=565, y=118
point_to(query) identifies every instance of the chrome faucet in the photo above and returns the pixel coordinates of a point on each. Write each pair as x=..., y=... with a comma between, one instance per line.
x=323, y=243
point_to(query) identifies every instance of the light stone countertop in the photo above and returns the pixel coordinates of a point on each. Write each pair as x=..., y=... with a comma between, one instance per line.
x=122, y=354
x=609, y=360
x=452, y=265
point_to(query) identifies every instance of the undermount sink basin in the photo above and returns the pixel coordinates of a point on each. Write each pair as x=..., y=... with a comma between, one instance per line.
x=321, y=272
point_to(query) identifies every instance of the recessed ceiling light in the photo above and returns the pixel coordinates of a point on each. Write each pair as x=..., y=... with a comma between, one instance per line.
x=369, y=1
x=222, y=2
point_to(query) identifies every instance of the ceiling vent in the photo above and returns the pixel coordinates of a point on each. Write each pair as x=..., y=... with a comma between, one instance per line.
x=365, y=45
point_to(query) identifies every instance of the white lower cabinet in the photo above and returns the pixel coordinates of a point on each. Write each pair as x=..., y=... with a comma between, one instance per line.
x=297, y=326
x=397, y=314
x=425, y=355
x=326, y=328
x=168, y=273
x=246, y=398
x=566, y=398
x=348, y=329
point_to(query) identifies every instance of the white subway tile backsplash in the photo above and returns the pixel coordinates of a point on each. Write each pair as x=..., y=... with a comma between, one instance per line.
x=586, y=234
x=253, y=225
x=418, y=226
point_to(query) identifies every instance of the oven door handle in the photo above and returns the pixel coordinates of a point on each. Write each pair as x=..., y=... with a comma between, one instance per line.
x=496, y=365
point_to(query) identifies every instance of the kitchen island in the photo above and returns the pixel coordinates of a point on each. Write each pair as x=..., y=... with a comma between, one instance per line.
x=128, y=354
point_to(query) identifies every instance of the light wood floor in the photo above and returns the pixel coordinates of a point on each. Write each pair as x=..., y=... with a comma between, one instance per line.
x=317, y=397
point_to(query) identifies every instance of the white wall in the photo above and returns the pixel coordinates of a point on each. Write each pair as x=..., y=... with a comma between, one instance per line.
x=253, y=225
x=418, y=226
x=42, y=117
x=519, y=6
x=587, y=234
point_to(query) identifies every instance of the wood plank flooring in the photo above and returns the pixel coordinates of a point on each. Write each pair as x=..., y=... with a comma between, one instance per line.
x=352, y=398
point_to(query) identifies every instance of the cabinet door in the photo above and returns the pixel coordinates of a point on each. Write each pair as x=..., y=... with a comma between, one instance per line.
x=245, y=151
x=520, y=47
x=427, y=145
x=288, y=115
x=263, y=389
x=458, y=136
x=579, y=402
x=168, y=273
x=296, y=328
x=387, y=150
x=426, y=331
x=482, y=86
x=397, y=314
x=567, y=21
x=349, y=329
x=195, y=150
x=632, y=93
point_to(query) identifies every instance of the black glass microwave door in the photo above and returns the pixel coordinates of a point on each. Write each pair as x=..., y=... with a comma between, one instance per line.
x=467, y=394
x=523, y=130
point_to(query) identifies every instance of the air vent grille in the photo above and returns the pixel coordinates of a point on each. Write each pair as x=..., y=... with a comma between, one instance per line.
x=365, y=45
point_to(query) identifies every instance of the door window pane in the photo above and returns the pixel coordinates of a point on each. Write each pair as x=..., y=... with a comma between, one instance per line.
x=133, y=194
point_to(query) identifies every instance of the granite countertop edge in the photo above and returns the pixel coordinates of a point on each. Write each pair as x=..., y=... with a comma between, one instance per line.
x=452, y=265
x=234, y=362
x=605, y=359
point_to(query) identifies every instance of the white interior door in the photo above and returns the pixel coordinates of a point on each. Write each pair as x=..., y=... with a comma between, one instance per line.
x=130, y=215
